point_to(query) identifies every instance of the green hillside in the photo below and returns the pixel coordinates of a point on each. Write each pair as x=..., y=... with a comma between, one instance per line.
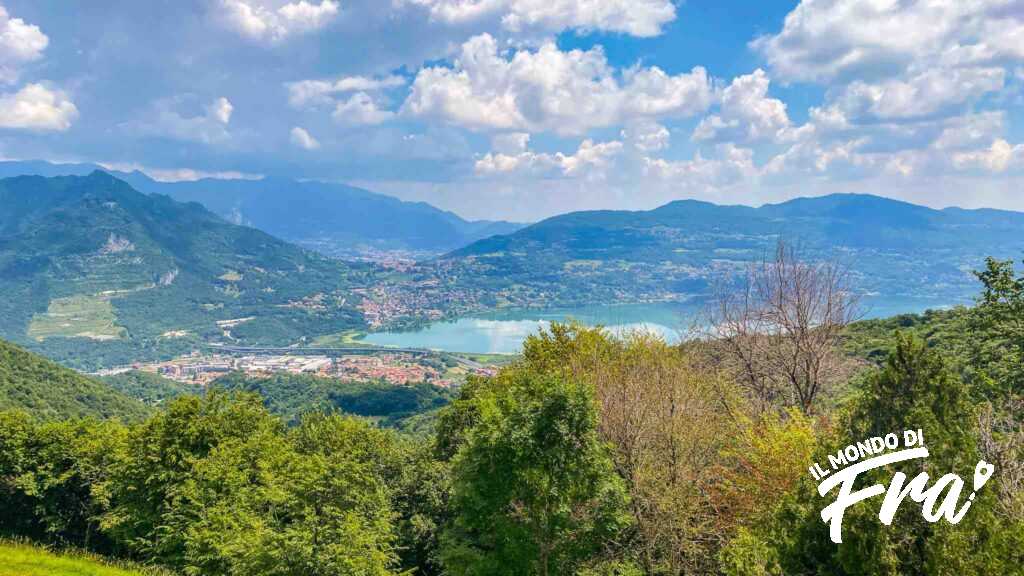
x=96, y=273
x=49, y=391
x=27, y=560
x=901, y=253
x=293, y=395
x=149, y=388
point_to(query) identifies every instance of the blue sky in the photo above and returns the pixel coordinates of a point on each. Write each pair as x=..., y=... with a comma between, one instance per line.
x=521, y=109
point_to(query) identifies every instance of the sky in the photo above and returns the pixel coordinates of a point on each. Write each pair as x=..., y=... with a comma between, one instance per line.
x=521, y=109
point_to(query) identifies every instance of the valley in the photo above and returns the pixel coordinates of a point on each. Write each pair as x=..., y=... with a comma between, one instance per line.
x=141, y=279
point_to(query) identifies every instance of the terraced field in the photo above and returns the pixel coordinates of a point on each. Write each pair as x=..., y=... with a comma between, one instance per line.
x=81, y=316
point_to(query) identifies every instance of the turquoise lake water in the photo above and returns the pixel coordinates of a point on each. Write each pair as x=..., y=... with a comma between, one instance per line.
x=504, y=332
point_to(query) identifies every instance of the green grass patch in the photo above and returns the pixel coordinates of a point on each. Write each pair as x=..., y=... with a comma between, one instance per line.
x=79, y=316
x=18, y=559
x=341, y=339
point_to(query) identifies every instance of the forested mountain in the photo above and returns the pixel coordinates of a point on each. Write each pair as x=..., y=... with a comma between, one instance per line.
x=893, y=249
x=335, y=219
x=88, y=264
x=49, y=391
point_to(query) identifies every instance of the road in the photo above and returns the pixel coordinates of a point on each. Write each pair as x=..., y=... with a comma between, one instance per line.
x=341, y=351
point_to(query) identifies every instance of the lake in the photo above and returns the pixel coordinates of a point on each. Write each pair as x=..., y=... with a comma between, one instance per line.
x=504, y=332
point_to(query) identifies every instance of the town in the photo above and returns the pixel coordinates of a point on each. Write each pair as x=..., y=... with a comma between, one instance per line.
x=398, y=368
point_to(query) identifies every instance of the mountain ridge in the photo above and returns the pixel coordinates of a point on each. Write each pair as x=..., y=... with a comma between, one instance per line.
x=90, y=264
x=335, y=219
x=673, y=252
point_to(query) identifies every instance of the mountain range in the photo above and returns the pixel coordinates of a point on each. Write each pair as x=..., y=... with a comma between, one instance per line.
x=96, y=273
x=334, y=219
x=894, y=250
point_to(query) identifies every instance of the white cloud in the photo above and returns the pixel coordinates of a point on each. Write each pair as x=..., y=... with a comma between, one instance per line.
x=303, y=139
x=179, y=174
x=36, y=107
x=320, y=92
x=165, y=121
x=970, y=131
x=590, y=160
x=257, y=22
x=643, y=18
x=731, y=165
x=747, y=113
x=550, y=90
x=931, y=92
x=647, y=136
x=825, y=39
x=220, y=110
x=361, y=109
x=996, y=158
x=19, y=43
x=510, y=143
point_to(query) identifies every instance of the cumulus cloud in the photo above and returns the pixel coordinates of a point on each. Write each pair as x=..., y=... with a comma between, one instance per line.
x=568, y=92
x=361, y=109
x=164, y=120
x=747, y=113
x=826, y=39
x=303, y=139
x=647, y=136
x=36, y=107
x=19, y=43
x=921, y=95
x=511, y=143
x=322, y=92
x=996, y=158
x=255, y=21
x=590, y=160
x=970, y=130
x=729, y=166
x=642, y=18
x=220, y=110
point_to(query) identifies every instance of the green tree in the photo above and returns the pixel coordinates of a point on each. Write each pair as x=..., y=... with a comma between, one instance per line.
x=996, y=342
x=162, y=454
x=914, y=390
x=313, y=502
x=55, y=477
x=534, y=488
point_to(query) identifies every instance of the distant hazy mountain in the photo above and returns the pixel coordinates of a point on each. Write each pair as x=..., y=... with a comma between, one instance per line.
x=895, y=249
x=335, y=219
x=332, y=218
x=93, y=271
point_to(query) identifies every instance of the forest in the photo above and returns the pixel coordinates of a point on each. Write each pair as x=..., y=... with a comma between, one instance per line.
x=591, y=455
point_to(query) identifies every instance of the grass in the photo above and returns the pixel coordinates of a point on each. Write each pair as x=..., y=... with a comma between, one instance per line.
x=77, y=317
x=491, y=359
x=18, y=559
x=340, y=339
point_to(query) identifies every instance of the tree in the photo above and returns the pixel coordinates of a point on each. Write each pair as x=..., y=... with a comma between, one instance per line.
x=534, y=491
x=995, y=359
x=312, y=502
x=161, y=457
x=997, y=350
x=779, y=331
x=915, y=389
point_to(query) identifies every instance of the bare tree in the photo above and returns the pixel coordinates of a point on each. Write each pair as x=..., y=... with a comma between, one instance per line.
x=1001, y=439
x=779, y=330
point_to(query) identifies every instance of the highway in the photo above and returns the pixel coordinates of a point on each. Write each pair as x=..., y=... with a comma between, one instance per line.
x=339, y=351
